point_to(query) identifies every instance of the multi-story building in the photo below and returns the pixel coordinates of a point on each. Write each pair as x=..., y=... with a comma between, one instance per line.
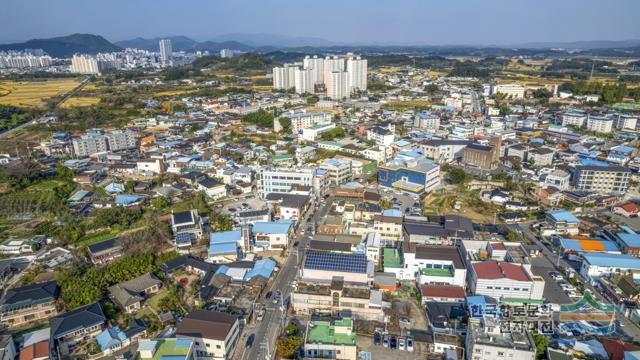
x=380, y=135
x=89, y=144
x=316, y=65
x=513, y=91
x=559, y=179
x=332, y=64
x=85, y=64
x=284, y=78
x=601, y=124
x=323, y=267
x=486, y=341
x=412, y=175
x=483, y=156
x=426, y=120
x=312, y=133
x=166, y=51
x=121, y=140
x=601, y=179
x=337, y=84
x=357, y=71
x=186, y=227
x=25, y=304
x=576, y=118
x=303, y=81
x=272, y=235
x=340, y=170
x=443, y=151
x=278, y=180
x=74, y=327
x=303, y=120
x=215, y=334
x=433, y=264
x=625, y=122
x=360, y=301
x=331, y=340
x=500, y=279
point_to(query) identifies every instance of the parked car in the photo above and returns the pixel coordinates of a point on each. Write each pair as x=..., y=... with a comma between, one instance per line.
x=409, y=344
x=401, y=344
x=385, y=341
x=393, y=343
x=405, y=321
x=268, y=295
x=376, y=339
x=250, y=341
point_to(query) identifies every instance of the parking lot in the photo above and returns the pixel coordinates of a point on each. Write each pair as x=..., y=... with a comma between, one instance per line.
x=402, y=200
x=541, y=266
x=235, y=206
x=365, y=343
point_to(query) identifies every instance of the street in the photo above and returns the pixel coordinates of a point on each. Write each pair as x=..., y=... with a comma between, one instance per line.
x=268, y=330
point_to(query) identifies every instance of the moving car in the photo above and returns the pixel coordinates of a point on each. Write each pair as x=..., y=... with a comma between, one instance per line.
x=250, y=341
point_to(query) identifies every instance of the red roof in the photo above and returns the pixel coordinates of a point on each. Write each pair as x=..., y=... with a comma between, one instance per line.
x=443, y=291
x=629, y=207
x=37, y=350
x=498, y=246
x=616, y=347
x=500, y=270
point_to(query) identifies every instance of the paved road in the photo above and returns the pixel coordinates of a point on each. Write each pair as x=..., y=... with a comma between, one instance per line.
x=268, y=329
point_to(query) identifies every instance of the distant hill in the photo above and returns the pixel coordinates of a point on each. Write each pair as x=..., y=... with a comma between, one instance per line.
x=183, y=43
x=590, y=44
x=66, y=46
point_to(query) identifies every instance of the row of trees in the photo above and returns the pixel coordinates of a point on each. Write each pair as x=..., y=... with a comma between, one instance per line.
x=610, y=93
x=261, y=118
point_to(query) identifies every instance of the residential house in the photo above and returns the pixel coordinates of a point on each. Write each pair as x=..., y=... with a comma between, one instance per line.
x=129, y=295
x=331, y=339
x=105, y=251
x=30, y=303
x=74, y=327
x=272, y=235
x=500, y=279
x=214, y=334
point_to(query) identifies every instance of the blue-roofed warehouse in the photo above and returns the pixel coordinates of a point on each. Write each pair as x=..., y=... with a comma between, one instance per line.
x=597, y=264
x=225, y=246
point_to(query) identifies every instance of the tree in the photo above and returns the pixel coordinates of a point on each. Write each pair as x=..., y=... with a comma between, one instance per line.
x=261, y=118
x=385, y=204
x=160, y=202
x=512, y=236
x=288, y=346
x=285, y=122
x=458, y=176
x=291, y=329
x=542, y=343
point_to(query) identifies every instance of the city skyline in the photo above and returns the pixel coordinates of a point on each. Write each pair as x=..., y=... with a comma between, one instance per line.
x=409, y=22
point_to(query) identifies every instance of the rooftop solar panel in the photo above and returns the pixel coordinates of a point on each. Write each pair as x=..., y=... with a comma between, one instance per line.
x=356, y=263
x=184, y=237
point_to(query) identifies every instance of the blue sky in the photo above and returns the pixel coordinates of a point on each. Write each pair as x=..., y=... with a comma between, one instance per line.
x=474, y=22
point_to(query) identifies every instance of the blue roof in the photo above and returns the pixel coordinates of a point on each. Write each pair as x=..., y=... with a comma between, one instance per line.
x=629, y=238
x=271, y=227
x=114, y=188
x=110, y=338
x=622, y=261
x=402, y=143
x=392, y=213
x=263, y=267
x=562, y=215
x=591, y=162
x=127, y=199
x=225, y=236
x=574, y=245
x=223, y=248
x=622, y=149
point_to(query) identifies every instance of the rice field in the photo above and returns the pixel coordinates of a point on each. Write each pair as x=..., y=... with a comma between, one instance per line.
x=33, y=93
x=79, y=101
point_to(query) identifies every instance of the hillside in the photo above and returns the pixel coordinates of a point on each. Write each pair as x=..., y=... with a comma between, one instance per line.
x=66, y=46
x=182, y=43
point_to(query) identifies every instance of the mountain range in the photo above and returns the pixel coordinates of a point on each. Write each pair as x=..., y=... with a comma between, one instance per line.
x=66, y=46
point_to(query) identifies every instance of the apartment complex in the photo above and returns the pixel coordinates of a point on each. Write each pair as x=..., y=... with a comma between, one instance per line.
x=601, y=179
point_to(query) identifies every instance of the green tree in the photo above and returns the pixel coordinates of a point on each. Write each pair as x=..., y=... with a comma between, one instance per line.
x=289, y=346
x=542, y=343
x=385, y=204
x=458, y=176
x=285, y=122
x=261, y=118
x=291, y=329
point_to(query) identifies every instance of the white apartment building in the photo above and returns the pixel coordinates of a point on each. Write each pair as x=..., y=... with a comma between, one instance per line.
x=284, y=78
x=426, y=121
x=280, y=180
x=332, y=64
x=559, y=179
x=302, y=120
x=513, y=91
x=357, y=70
x=85, y=64
x=121, y=140
x=601, y=124
x=625, y=122
x=500, y=279
x=434, y=264
x=316, y=65
x=89, y=144
x=166, y=52
x=337, y=84
x=443, y=151
x=339, y=170
x=574, y=118
x=601, y=179
x=22, y=60
x=378, y=153
x=303, y=81
x=380, y=135
x=215, y=334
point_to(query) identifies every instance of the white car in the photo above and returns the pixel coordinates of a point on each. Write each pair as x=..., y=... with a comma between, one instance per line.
x=410, y=344
x=401, y=344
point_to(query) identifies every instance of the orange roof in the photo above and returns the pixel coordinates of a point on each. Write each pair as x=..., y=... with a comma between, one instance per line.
x=629, y=207
x=37, y=350
x=592, y=245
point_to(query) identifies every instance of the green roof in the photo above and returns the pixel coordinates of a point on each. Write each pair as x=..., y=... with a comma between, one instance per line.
x=282, y=157
x=447, y=272
x=307, y=149
x=323, y=332
x=170, y=348
x=392, y=258
x=331, y=143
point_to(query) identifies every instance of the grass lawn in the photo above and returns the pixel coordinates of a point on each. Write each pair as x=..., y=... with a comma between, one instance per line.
x=98, y=236
x=154, y=301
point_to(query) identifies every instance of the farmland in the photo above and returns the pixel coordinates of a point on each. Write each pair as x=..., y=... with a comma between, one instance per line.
x=79, y=101
x=33, y=93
